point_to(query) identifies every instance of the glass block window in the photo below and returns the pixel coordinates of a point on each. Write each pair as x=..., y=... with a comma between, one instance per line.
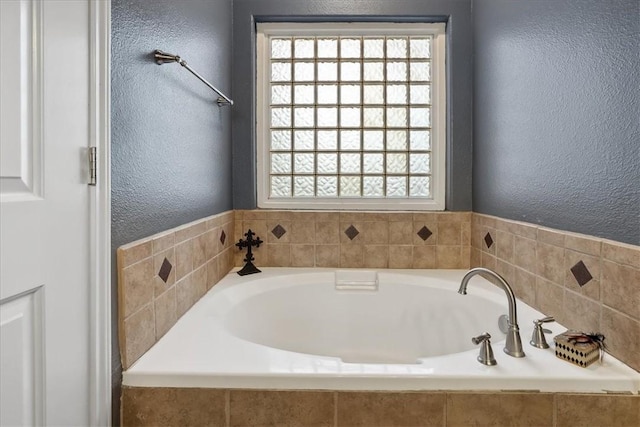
x=351, y=116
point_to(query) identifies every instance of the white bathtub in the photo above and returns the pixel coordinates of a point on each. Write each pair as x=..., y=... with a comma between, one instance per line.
x=289, y=328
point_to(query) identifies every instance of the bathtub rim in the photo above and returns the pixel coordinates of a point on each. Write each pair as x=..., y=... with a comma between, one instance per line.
x=147, y=373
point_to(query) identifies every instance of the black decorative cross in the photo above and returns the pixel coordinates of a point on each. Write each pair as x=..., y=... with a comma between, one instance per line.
x=248, y=243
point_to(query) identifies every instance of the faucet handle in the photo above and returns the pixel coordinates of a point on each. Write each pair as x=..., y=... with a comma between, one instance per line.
x=481, y=338
x=544, y=320
x=537, y=338
x=486, y=353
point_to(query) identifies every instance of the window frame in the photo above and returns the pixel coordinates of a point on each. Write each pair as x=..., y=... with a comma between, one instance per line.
x=266, y=30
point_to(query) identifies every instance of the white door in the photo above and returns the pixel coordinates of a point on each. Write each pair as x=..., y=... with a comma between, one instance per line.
x=44, y=212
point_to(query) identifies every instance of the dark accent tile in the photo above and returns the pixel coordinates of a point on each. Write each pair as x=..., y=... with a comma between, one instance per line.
x=424, y=233
x=278, y=231
x=165, y=270
x=581, y=273
x=223, y=237
x=351, y=232
x=488, y=240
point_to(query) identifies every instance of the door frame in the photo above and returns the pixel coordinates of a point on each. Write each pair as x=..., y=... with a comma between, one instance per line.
x=100, y=214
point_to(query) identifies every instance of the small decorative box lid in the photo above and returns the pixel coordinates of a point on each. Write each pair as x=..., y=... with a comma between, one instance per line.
x=578, y=348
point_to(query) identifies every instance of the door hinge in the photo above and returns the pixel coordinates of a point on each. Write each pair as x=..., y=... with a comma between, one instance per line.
x=93, y=166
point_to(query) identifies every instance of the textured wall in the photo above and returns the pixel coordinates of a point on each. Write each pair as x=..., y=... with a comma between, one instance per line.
x=556, y=129
x=171, y=144
x=456, y=12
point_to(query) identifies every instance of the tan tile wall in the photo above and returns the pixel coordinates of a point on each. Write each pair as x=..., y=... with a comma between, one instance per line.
x=384, y=240
x=226, y=408
x=147, y=305
x=537, y=262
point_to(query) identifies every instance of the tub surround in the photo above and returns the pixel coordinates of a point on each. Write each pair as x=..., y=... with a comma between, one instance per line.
x=143, y=406
x=358, y=239
x=254, y=332
x=162, y=276
x=586, y=283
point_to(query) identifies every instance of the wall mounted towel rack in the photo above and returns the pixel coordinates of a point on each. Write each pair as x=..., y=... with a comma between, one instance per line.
x=165, y=58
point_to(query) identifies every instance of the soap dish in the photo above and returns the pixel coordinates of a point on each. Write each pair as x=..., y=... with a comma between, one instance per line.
x=578, y=352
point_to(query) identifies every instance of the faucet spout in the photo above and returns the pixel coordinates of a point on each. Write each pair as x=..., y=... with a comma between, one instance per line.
x=513, y=346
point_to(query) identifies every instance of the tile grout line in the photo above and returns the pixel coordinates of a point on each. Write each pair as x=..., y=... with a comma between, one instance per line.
x=227, y=407
x=335, y=409
x=446, y=402
x=140, y=261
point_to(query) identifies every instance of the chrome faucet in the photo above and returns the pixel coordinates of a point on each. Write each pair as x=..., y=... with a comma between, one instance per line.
x=513, y=347
x=486, y=353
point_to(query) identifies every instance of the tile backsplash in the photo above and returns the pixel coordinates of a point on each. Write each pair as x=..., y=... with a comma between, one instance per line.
x=586, y=283
x=358, y=239
x=162, y=276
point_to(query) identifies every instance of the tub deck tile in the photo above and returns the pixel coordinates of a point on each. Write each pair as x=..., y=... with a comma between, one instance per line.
x=383, y=409
x=281, y=408
x=169, y=406
x=598, y=410
x=500, y=409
